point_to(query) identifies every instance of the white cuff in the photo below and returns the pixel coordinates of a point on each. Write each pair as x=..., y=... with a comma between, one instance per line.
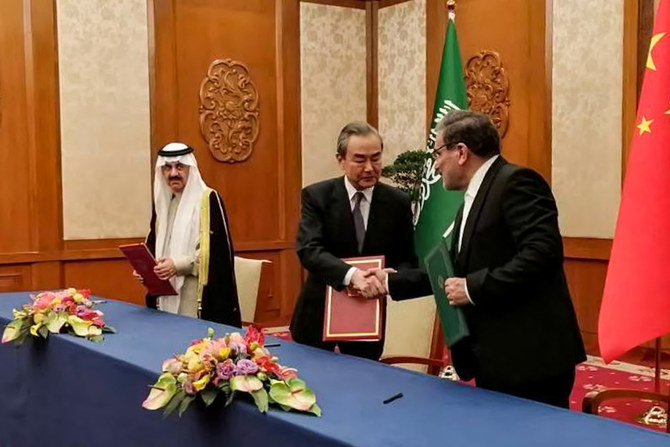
x=347, y=278
x=468, y=293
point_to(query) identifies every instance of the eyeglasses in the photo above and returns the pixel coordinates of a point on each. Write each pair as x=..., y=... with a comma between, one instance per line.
x=438, y=151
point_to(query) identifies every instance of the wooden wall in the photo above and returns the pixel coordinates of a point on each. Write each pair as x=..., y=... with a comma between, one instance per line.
x=33, y=254
x=262, y=194
x=263, y=34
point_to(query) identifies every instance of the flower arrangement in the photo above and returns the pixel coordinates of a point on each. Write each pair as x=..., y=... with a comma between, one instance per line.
x=51, y=312
x=229, y=365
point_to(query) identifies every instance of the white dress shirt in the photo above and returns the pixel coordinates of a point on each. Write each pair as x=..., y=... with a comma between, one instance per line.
x=364, y=206
x=470, y=194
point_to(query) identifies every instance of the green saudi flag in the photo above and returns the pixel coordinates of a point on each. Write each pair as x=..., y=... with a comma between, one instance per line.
x=437, y=207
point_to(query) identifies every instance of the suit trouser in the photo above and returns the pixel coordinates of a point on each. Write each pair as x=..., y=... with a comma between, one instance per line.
x=554, y=390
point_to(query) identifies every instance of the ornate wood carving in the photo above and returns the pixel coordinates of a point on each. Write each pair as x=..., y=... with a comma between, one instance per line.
x=229, y=111
x=488, y=88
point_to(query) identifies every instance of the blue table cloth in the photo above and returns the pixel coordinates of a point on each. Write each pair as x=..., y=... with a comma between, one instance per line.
x=68, y=391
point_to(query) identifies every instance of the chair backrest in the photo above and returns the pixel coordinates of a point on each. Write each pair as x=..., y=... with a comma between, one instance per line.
x=248, y=275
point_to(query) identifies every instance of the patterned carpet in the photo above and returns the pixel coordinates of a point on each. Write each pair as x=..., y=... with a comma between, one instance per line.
x=595, y=375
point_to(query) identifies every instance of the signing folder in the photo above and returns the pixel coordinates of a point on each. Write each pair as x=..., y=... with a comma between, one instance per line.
x=439, y=268
x=143, y=262
x=350, y=317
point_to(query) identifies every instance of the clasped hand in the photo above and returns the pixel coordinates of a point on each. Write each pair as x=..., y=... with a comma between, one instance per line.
x=370, y=283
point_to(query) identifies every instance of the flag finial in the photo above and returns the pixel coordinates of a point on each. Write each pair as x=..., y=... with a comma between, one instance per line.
x=451, y=7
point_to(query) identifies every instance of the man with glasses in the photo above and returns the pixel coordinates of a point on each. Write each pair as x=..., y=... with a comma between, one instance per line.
x=508, y=259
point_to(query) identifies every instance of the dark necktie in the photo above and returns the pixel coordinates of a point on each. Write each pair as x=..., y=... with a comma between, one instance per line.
x=359, y=224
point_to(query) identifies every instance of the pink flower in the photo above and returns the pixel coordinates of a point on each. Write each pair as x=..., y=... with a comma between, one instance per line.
x=246, y=366
x=254, y=335
x=226, y=369
x=173, y=366
x=43, y=300
x=189, y=388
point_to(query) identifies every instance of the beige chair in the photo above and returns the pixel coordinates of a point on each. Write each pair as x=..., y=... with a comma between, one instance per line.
x=249, y=275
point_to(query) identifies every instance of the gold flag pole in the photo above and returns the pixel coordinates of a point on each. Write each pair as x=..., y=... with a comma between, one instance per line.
x=656, y=415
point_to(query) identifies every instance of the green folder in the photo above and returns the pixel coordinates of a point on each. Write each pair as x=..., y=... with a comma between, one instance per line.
x=439, y=268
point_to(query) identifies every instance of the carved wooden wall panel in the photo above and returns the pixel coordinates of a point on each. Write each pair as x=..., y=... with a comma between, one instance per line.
x=488, y=88
x=229, y=110
x=255, y=48
x=486, y=24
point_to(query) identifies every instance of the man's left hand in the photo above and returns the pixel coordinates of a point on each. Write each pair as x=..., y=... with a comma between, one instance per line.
x=165, y=268
x=455, y=290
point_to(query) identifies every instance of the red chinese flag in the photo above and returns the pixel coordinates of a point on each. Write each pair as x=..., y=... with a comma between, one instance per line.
x=636, y=302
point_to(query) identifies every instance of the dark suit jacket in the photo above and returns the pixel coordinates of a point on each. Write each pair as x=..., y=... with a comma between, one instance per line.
x=326, y=234
x=523, y=325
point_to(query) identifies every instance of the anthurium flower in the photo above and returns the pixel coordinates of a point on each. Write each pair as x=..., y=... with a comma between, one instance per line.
x=293, y=393
x=245, y=384
x=55, y=322
x=79, y=326
x=288, y=373
x=161, y=392
x=12, y=331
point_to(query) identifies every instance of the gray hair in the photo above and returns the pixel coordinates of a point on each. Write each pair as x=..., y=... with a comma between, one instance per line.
x=358, y=128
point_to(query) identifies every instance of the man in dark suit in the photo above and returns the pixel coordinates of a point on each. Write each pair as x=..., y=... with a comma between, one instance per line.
x=344, y=217
x=508, y=260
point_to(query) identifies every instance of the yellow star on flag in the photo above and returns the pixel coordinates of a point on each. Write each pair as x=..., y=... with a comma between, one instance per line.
x=654, y=40
x=645, y=125
x=667, y=112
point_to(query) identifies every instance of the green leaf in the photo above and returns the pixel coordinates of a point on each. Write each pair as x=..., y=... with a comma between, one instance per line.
x=174, y=403
x=315, y=409
x=261, y=399
x=208, y=395
x=108, y=329
x=96, y=338
x=229, y=398
x=185, y=403
x=293, y=393
x=161, y=392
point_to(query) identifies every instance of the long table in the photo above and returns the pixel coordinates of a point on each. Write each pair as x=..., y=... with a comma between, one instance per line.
x=68, y=391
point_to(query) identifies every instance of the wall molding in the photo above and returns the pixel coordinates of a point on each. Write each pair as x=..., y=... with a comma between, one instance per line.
x=587, y=248
x=357, y=4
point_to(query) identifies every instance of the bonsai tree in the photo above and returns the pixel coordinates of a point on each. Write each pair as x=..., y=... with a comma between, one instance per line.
x=406, y=171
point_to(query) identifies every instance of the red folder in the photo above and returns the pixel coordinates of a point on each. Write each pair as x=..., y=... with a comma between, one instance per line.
x=350, y=317
x=143, y=262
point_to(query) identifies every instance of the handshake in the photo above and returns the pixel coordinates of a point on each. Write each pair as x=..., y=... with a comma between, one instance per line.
x=370, y=283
